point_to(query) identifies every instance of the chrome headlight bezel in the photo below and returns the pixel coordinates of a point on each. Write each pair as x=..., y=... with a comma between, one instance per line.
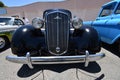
x=77, y=23
x=38, y=23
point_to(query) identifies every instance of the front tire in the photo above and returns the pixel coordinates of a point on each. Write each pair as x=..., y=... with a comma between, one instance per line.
x=3, y=42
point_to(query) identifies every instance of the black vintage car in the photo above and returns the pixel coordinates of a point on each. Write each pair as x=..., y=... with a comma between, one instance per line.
x=55, y=39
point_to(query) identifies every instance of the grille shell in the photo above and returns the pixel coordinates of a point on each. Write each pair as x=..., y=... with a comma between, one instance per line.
x=57, y=32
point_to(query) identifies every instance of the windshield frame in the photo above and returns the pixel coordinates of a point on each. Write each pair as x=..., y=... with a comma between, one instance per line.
x=118, y=8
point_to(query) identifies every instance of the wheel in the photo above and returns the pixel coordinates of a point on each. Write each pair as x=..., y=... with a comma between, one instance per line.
x=3, y=42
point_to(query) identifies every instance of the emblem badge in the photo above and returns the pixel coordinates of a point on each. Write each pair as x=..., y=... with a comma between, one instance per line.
x=57, y=49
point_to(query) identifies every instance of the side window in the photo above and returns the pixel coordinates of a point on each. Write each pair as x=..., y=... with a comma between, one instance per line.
x=18, y=22
x=107, y=10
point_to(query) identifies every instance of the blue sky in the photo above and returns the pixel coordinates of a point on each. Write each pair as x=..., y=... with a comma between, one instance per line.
x=11, y=3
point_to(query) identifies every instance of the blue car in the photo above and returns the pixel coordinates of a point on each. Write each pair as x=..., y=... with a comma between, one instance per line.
x=108, y=23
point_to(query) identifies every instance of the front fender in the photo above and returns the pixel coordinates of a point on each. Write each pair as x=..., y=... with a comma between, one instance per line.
x=87, y=38
x=7, y=34
x=26, y=39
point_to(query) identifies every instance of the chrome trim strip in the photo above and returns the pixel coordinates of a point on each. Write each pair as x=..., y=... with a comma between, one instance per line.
x=57, y=32
x=8, y=30
x=56, y=59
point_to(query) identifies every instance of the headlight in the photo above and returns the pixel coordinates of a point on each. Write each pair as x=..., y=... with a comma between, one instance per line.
x=77, y=23
x=37, y=23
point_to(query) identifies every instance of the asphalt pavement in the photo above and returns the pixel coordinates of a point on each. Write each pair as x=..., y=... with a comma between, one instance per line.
x=107, y=68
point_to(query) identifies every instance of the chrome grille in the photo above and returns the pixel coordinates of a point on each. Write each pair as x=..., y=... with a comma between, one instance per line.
x=57, y=32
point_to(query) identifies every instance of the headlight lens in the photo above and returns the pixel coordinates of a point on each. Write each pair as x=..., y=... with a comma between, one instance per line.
x=77, y=23
x=37, y=23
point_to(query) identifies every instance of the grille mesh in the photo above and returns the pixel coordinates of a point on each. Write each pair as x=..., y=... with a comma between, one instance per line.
x=57, y=30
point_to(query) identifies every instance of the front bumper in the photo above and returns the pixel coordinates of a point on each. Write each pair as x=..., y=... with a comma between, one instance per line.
x=56, y=59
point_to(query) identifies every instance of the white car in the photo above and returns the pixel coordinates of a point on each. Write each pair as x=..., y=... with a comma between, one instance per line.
x=7, y=26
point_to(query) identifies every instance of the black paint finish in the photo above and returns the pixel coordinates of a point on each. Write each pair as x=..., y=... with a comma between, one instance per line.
x=28, y=39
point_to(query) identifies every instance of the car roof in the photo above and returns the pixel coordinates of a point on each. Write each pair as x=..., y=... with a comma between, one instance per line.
x=113, y=1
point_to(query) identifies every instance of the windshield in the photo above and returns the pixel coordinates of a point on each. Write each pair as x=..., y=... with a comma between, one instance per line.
x=5, y=21
x=107, y=10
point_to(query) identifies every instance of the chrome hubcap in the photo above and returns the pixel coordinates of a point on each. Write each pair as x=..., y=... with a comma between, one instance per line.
x=2, y=43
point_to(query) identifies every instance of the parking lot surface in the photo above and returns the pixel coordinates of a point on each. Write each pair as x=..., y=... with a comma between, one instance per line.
x=107, y=68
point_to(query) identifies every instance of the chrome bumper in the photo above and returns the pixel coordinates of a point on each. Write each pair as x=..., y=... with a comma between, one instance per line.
x=56, y=59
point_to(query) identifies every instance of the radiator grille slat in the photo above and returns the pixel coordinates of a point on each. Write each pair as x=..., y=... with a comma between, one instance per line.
x=57, y=30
